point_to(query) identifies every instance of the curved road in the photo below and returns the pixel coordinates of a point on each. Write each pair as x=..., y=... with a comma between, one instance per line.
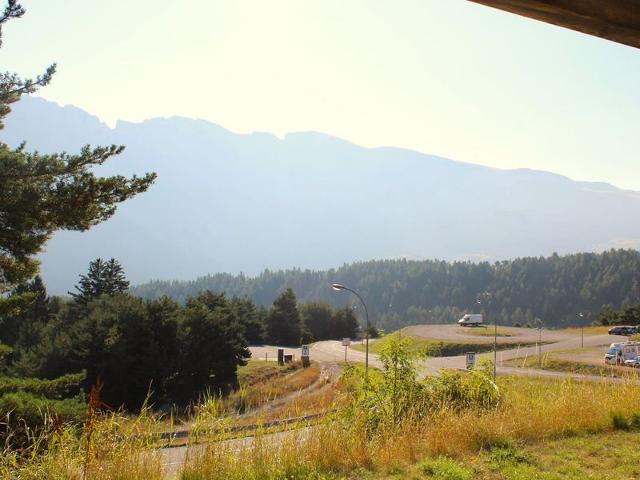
x=332, y=351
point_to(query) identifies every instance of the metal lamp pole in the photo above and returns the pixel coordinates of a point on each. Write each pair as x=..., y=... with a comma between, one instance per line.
x=483, y=299
x=539, y=322
x=581, y=329
x=338, y=287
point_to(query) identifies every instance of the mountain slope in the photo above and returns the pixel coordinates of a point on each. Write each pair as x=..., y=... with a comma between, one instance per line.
x=231, y=202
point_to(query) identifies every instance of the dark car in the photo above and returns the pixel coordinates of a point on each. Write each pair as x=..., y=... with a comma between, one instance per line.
x=625, y=330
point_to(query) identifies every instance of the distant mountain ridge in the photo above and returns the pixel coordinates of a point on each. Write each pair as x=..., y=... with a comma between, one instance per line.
x=227, y=202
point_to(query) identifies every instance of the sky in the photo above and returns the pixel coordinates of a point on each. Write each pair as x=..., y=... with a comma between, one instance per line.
x=444, y=77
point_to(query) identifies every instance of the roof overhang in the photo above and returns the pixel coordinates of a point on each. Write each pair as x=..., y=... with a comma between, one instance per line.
x=615, y=20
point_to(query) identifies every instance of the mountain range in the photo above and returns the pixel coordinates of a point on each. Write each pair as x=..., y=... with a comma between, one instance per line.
x=228, y=202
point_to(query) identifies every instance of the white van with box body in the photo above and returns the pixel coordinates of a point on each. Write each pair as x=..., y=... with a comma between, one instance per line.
x=471, y=320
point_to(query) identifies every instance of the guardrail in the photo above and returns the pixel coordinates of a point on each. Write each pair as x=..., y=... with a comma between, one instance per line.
x=184, y=434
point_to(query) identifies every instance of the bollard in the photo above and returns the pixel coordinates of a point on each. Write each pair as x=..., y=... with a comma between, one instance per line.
x=281, y=356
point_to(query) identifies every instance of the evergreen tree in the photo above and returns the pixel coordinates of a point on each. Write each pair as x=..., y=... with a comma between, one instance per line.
x=212, y=346
x=345, y=324
x=21, y=325
x=284, y=323
x=249, y=317
x=318, y=319
x=103, y=278
x=41, y=194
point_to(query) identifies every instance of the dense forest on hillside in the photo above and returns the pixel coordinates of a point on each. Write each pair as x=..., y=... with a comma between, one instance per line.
x=403, y=292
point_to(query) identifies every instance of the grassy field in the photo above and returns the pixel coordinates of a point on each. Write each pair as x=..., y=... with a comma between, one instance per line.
x=258, y=370
x=604, y=456
x=591, y=330
x=434, y=348
x=557, y=361
x=545, y=429
x=487, y=331
x=538, y=430
x=263, y=382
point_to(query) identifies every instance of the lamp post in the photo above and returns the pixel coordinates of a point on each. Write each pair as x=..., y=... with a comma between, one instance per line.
x=581, y=329
x=483, y=299
x=539, y=322
x=337, y=287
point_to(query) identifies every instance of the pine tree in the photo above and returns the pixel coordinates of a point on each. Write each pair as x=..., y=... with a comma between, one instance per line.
x=103, y=278
x=284, y=323
x=22, y=325
x=41, y=194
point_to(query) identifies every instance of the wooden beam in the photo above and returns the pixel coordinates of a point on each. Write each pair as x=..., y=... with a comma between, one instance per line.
x=616, y=20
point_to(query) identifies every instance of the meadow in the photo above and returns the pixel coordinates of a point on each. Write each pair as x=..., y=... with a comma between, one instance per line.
x=443, y=427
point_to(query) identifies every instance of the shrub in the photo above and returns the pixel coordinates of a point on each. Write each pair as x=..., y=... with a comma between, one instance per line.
x=507, y=455
x=620, y=421
x=459, y=391
x=26, y=416
x=445, y=468
x=29, y=407
x=61, y=387
x=635, y=421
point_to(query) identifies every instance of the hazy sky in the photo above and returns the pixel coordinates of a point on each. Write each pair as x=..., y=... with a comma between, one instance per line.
x=447, y=77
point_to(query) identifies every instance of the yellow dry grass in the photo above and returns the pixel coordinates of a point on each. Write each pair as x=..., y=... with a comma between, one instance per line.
x=530, y=410
x=591, y=330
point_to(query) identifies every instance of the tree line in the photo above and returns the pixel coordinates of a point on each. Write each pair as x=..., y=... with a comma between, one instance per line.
x=136, y=348
x=402, y=292
x=628, y=315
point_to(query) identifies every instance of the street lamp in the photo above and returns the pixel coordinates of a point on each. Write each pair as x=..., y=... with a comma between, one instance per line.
x=483, y=299
x=581, y=328
x=539, y=322
x=338, y=287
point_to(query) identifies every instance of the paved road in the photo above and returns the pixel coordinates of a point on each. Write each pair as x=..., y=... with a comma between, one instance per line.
x=332, y=351
x=456, y=333
x=432, y=365
x=328, y=351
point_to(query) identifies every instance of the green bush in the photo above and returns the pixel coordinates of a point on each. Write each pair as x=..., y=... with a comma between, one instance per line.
x=444, y=468
x=26, y=416
x=456, y=390
x=635, y=421
x=620, y=421
x=507, y=455
x=30, y=407
x=58, y=388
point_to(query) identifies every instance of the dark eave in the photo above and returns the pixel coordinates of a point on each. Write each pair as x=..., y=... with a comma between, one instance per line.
x=616, y=20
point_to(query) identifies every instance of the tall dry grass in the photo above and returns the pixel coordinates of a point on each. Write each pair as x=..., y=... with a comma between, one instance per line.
x=529, y=410
x=112, y=448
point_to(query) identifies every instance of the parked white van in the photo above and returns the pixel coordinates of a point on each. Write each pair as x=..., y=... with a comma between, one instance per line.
x=471, y=320
x=619, y=353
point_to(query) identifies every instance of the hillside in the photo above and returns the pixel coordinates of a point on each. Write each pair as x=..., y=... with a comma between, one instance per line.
x=227, y=202
x=401, y=292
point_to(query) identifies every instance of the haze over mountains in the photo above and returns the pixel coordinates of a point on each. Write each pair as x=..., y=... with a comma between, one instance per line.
x=227, y=202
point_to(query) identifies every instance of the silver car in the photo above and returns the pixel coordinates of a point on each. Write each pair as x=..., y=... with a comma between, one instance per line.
x=634, y=362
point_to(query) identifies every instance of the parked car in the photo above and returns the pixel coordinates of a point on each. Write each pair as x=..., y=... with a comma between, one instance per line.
x=619, y=353
x=634, y=362
x=626, y=330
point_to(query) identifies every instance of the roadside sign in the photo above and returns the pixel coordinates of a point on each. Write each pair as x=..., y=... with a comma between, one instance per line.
x=305, y=356
x=345, y=343
x=471, y=360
